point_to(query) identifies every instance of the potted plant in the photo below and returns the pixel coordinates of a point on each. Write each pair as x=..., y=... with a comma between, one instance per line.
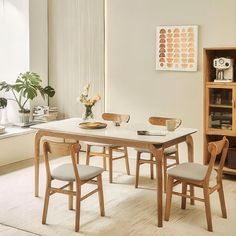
x=27, y=87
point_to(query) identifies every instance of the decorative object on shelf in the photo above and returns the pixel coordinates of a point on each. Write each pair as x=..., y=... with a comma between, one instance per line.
x=26, y=87
x=45, y=113
x=2, y=129
x=224, y=69
x=4, y=118
x=88, y=102
x=177, y=48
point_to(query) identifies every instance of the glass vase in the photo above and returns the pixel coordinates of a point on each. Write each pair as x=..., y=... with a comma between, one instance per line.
x=88, y=114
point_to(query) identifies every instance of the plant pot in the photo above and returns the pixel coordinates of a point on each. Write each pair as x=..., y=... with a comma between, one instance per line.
x=24, y=116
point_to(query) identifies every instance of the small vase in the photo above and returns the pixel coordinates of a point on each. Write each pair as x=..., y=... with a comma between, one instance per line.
x=24, y=116
x=4, y=119
x=88, y=114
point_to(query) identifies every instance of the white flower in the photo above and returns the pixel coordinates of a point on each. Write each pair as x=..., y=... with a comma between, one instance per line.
x=83, y=98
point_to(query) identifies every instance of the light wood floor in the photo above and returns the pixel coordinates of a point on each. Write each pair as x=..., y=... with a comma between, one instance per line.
x=129, y=211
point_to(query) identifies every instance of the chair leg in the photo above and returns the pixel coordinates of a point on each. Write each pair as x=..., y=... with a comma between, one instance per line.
x=126, y=160
x=183, y=199
x=110, y=164
x=177, y=157
x=88, y=154
x=77, y=157
x=77, y=208
x=191, y=194
x=165, y=172
x=151, y=166
x=104, y=159
x=70, y=197
x=46, y=201
x=100, y=195
x=222, y=201
x=207, y=207
x=168, y=197
x=137, y=168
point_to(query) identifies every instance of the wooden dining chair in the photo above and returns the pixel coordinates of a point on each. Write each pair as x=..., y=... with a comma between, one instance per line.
x=70, y=173
x=170, y=153
x=109, y=149
x=200, y=176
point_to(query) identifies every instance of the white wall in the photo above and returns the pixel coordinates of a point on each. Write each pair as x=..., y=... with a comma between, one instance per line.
x=16, y=148
x=133, y=85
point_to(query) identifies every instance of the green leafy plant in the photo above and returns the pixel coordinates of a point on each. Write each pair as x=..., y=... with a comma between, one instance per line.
x=3, y=102
x=26, y=87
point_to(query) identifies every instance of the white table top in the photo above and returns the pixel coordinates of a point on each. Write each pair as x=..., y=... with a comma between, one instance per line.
x=124, y=132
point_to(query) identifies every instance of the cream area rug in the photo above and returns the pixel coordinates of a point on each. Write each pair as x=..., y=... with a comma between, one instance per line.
x=129, y=211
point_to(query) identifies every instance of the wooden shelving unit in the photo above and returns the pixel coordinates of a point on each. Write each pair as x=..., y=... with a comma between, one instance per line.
x=219, y=103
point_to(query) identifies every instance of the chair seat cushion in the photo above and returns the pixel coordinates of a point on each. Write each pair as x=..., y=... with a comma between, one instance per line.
x=65, y=172
x=192, y=171
x=167, y=151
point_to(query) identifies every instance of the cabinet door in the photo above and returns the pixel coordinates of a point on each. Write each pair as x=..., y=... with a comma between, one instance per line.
x=220, y=110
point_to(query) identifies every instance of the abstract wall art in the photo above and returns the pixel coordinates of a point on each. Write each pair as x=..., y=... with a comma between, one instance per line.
x=177, y=48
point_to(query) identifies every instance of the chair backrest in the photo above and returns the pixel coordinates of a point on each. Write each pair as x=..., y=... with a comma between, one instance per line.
x=154, y=120
x=116, y=117
x=61, y=149
x=217, y=148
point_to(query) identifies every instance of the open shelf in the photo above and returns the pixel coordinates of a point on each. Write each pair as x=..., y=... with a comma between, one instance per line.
x=220, y=106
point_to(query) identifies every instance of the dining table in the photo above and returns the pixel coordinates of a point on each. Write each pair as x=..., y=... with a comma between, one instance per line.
x=124, y=135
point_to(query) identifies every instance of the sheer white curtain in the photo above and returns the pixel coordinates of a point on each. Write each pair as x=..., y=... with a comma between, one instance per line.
x=76, y=53
x=14, y=47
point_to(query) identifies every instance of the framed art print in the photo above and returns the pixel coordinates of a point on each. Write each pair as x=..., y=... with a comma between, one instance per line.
x=177, y=48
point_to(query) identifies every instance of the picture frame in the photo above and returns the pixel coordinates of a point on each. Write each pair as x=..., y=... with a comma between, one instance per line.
x=177, y=48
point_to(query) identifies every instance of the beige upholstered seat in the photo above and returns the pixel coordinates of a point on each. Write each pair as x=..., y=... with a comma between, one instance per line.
x=65, y=172
x=170, y=153
x=71, y=173
x=109, y=149
x=193, y=171
x=197, y=175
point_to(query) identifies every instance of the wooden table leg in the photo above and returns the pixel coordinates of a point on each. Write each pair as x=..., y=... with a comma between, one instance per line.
x=189, y=141
x=159, y=155
x=36, y=162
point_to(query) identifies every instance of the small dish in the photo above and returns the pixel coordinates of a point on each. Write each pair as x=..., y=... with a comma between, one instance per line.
x=92, y=125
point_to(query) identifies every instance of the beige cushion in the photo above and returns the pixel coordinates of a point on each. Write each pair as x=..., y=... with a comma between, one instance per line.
x=65, y=172
x=193, y=171
x=167, y=151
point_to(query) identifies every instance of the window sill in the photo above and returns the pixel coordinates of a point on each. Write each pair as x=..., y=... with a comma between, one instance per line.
x=13, y=131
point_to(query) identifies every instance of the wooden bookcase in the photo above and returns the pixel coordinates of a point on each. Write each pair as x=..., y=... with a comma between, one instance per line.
x=219, y=103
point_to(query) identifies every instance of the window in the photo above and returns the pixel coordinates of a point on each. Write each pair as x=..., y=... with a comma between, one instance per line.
x=14, y=45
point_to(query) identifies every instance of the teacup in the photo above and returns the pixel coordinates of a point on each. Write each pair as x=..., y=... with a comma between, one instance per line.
x=173, y=124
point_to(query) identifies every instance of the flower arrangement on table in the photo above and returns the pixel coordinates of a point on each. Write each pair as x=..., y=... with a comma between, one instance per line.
x=88, y=102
